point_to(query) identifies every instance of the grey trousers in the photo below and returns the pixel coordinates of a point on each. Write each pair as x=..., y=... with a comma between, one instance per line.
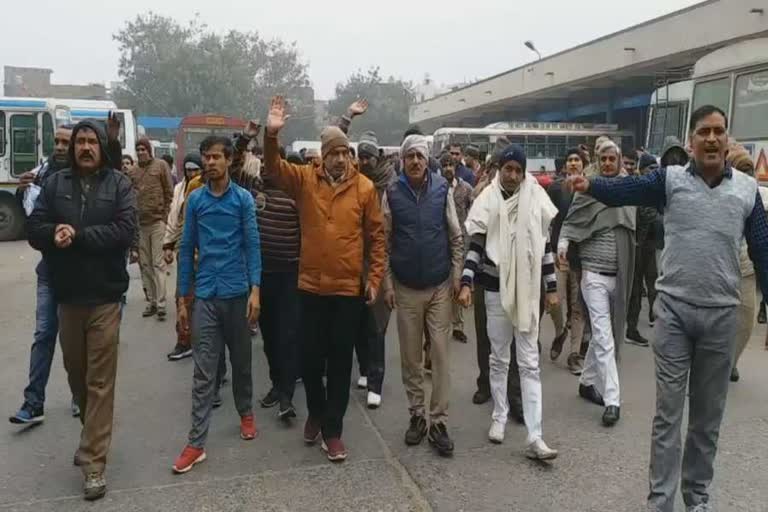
x=695, y=345
x=216, y=323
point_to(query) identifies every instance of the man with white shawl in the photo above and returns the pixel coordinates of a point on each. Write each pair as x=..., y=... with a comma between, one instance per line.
x=509, y=251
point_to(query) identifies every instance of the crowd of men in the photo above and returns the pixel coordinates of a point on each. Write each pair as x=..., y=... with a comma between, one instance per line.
x=318, y=250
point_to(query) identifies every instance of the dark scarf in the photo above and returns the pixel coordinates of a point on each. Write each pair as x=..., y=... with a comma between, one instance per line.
x=382, y=175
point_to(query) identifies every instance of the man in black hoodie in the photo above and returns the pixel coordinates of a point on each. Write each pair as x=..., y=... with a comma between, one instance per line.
x=84, y=223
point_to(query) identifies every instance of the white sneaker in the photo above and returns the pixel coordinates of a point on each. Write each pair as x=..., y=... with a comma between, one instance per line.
x=496, y=432
x=538, y=450
x=362, y=383
x=374, y=400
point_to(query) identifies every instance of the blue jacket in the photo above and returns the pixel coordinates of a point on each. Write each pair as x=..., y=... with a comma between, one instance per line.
x=420, y=255
x=465, y=173
x=225, y=234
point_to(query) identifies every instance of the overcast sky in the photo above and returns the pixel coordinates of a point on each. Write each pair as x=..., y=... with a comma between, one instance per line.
x=452, y=41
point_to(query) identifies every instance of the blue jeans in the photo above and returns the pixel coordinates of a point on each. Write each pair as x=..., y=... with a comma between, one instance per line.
x=46, y=329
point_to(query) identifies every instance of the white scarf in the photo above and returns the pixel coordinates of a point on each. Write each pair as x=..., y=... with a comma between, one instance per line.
x=516, y=232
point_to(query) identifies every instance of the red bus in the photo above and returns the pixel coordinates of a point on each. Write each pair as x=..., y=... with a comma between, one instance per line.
x=193, y=129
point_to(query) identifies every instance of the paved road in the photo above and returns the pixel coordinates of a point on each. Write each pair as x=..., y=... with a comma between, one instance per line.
x=598, y=469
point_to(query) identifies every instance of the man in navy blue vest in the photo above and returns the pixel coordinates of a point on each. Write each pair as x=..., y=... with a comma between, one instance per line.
x=423, y=278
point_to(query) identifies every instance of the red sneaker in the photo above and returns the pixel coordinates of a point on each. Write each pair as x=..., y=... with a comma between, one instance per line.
x=248, y=428
x=311, y=431
x=188, y=458
x=335, y=449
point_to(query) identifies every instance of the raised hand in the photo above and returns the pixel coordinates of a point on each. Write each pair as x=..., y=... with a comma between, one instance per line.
x=252, y=129
x=578, y=183
x=113, y=126
x=358, y=108
x=277, y=116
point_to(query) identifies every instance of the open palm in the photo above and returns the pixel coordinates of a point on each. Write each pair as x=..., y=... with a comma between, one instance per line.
x=277, y=116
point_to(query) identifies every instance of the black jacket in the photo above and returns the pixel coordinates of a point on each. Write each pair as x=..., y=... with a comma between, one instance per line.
x=92, y=270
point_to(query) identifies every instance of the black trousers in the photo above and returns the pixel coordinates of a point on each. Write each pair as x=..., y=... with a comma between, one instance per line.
x=645, y=272
x=279, y=322
x=330, y=329
x=370, y=343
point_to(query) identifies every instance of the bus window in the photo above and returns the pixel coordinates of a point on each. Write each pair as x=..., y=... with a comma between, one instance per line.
x=2, y=133
x=23, y=140
x=715, y=92
x=667, y=120
x=750, y=106
x=47, y=134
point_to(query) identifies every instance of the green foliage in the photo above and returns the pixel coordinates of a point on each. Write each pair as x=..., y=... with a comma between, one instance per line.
x=389, y=101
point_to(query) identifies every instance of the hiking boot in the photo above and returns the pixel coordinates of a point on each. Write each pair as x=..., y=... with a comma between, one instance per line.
x=311, y=431
x=248, y=428
x=459, y=336
x=557, y=345
x=735, y=375
x=95, y=486
x=335, y=449
x=28, y=415
x=481, y=396
x=496, y=432
x=439, y=439
x=286, y=411
x=150, y=310
x=635, y=338
x=161, y=314
x=575, y=363
x=611, y=415
x=271, y=399
x=538, y=450
x=179, y=352
x=416, y=430
x=590, y=393
x=188, y=458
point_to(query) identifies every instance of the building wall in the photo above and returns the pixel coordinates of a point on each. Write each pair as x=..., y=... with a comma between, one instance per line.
x=36, y=83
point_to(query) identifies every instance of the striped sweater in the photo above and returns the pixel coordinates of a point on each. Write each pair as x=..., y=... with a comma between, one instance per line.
x=479, y=268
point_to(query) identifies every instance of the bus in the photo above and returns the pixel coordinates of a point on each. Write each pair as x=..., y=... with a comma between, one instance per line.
x=193, y=129
x=27, y=127
x=668, y=115
x=99, y=109
x=543, y=142
x=735, y=79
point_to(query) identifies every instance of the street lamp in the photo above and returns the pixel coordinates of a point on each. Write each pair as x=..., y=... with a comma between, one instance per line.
x=532, y=47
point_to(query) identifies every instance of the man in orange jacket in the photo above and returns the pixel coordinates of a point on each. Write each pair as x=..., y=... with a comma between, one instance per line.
x=339, y=213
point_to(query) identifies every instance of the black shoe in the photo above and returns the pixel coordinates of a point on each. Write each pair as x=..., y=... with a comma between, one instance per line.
x=161, y=314
x=591, y=394
x=516, y=411
x=416, y=431
x=480, y=397
x=557, y=345
x=459, y=336
x=651, y=317
x=611, y=415
x=286, y=411
x=735, y=375
x=635, y=338
x=149, y=311
x=761, y=317
x=180, y=352
x=271, y=399
x=438, y=438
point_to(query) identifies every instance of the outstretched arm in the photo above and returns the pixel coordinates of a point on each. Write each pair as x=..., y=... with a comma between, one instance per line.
x=647, y=190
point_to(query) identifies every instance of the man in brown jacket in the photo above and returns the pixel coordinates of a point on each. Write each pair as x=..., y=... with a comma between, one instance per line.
x=339, y=212
x=154, y=192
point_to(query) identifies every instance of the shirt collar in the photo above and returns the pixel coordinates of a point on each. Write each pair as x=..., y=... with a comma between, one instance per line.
x=693, y=171
x=226, y=190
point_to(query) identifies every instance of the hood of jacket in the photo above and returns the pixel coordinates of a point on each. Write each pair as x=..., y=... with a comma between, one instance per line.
x=101, y=134
x=671, y=144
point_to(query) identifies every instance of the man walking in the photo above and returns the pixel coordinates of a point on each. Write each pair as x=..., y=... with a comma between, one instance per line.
x=425, y=262
x=154, y=193
x=708, y=210
x=220, y=224
x=339, y=215
x=85, y=219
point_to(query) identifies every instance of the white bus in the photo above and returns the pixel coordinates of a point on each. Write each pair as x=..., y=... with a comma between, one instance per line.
x=543, y=142
x=668, y=115
x=27, y=127
x=98, y=109
x=735, y=79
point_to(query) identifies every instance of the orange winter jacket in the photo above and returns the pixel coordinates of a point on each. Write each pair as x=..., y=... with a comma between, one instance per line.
x=335, y=222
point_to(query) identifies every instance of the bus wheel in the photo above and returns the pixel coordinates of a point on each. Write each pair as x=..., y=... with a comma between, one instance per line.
x=11, y=218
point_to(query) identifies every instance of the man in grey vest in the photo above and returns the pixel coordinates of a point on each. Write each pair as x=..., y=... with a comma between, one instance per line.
x=708, y=210
x=426, y=252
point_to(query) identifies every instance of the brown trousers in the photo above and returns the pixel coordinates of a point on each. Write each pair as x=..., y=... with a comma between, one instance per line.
x=89, y=337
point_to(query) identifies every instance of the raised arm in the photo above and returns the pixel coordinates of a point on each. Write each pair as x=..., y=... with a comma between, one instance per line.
x=287, y=176
x=756, y=233
x=645, y=190
x=357, y=108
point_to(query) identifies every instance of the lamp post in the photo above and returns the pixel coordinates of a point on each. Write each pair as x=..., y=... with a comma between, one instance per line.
x=529, y=44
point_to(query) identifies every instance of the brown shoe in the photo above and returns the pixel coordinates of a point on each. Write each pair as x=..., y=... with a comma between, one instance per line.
x=311, y=431
x=335, y=449
x=557, y=345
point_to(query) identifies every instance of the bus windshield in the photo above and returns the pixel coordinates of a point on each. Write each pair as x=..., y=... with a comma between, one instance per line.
x=750, y=106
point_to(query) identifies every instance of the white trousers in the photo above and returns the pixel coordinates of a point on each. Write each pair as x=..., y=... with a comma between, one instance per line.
x=600, y=368
x=501, y=332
